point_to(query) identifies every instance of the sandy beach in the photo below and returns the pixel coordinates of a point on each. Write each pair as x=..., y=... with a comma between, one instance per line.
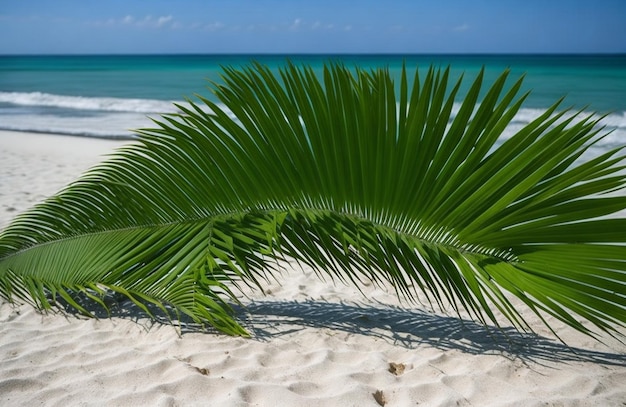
x=314, y=342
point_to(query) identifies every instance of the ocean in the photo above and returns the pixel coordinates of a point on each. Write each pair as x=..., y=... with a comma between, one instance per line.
x=108, y=96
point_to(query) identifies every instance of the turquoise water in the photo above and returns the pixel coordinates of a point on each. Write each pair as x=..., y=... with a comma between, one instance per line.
x=105, y=96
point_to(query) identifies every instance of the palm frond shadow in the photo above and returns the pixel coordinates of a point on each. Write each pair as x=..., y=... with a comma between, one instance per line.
x=410, y=329
x=414, y=328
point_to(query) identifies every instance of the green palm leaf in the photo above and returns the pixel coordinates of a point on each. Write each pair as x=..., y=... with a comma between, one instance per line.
x=362, y=178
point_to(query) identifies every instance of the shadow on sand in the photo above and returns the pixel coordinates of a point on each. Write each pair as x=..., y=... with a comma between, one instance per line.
x=395, y=325
x=414, y=328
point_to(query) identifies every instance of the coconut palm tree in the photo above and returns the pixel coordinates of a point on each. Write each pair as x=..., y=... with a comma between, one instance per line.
x=353, y=173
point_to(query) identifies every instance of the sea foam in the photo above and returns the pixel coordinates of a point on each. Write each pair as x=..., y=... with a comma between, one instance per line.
x=87, y=103
x=114, y=117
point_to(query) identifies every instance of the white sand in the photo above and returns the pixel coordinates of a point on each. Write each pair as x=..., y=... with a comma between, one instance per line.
x=314, y=343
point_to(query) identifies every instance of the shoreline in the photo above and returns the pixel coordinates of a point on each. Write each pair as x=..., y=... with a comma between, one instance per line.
x=112, y=137
x=314, y=343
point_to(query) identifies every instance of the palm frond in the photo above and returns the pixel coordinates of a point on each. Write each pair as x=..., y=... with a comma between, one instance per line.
x=354, y=174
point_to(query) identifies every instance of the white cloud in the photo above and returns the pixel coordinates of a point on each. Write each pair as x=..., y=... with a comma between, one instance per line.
x=147, y=21
x=296, y=24
x=462, y=27
x=161, y=21
x=168, y=21
x=214, y=26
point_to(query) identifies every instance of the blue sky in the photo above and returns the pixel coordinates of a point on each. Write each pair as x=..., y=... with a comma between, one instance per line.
x=319, y=26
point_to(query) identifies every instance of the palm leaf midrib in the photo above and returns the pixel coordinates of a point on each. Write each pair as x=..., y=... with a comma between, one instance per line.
x=416, y=233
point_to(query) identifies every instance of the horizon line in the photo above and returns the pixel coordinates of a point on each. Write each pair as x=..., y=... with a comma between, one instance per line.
x=470, y=54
